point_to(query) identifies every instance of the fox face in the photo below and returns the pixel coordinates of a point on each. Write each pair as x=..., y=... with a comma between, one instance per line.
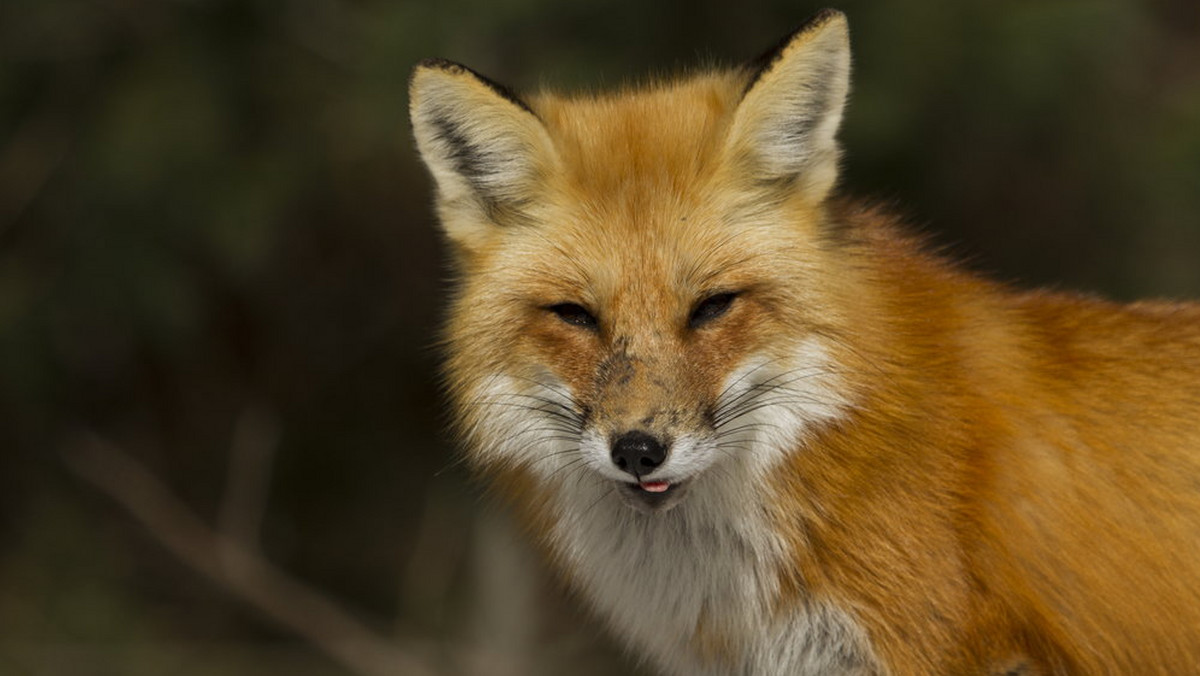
x=649, y=377
x=631, y=313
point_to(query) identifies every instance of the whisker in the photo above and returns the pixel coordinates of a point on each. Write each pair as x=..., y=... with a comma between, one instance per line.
x=789, y=398
x=567, y=407
x=774, y=382
x=557, y=389
x=597, y=501
x=568, y=467
x=550, y=408
x=728, y=388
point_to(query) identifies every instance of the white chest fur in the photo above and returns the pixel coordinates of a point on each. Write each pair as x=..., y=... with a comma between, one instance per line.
x=694, y=588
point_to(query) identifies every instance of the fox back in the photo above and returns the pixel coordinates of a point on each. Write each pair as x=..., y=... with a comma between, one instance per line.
x=763, y=431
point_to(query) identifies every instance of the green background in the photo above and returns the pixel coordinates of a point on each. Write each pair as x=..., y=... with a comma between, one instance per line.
x=217, y=259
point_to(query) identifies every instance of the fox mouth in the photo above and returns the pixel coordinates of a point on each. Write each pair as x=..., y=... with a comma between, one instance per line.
x=652, y=496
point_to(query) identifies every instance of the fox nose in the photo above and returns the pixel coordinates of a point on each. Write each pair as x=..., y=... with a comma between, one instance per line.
x=638, y=453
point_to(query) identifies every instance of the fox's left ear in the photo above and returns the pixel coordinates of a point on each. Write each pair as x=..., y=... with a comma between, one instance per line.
x=787, y=121
x=484, y=146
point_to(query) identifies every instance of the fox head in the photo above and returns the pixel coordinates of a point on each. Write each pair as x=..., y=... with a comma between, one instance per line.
x=645, y=285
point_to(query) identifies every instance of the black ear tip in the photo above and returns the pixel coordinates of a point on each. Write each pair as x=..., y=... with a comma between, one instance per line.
x=438, y=64
x=823, y=17
x=442, y=64
x=818, y=20
x=763, y=63
x=455, y=68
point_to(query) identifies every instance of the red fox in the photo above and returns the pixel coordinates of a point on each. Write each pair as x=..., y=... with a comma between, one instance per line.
x=761, y=430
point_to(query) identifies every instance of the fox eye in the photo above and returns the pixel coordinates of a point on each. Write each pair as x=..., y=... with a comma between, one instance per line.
x=574, y=314
x=710, y=308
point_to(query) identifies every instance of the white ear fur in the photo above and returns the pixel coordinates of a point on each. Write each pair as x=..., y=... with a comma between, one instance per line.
x=787, y=121
x=485, y=148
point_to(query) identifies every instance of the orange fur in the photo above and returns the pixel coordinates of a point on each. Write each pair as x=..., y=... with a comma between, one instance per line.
x=963, y=478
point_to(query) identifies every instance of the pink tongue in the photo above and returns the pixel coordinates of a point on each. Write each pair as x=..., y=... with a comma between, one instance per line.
x=655, y=486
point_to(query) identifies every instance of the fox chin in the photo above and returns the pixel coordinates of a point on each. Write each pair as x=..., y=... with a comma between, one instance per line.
x=762, y=430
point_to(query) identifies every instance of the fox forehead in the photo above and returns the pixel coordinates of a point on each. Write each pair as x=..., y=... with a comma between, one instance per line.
x=650, y=267
x=662, y=137
x=637, y=204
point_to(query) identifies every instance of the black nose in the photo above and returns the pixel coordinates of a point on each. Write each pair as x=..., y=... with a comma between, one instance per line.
x=638, y=453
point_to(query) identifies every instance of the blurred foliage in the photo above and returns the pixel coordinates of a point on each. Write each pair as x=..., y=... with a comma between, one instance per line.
x=213, y=205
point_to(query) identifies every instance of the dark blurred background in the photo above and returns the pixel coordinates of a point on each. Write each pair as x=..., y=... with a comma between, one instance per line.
x=220, y=429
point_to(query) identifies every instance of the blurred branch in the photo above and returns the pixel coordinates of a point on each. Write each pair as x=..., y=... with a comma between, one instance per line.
x=251, y=454
x=230, y=563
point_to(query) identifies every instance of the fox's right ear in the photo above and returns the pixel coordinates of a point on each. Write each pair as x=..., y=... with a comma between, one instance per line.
x=485, y=148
